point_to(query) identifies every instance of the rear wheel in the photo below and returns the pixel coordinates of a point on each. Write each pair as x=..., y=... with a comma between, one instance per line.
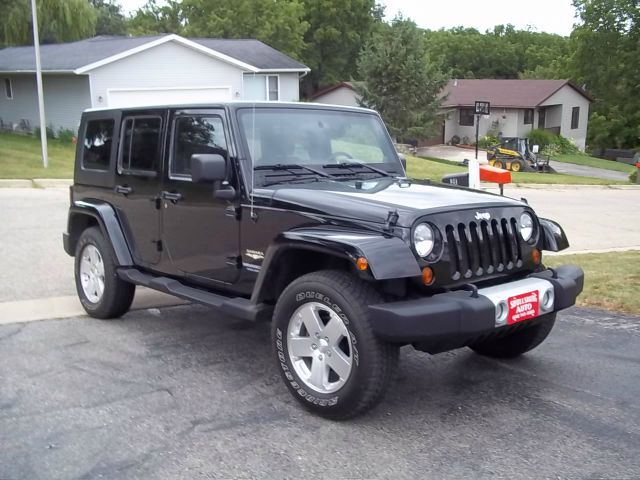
x=518, y=342
x=517, y=166
x=101, y=292
x=325, y=348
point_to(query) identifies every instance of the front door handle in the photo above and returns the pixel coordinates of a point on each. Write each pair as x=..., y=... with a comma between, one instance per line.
x=173, y=197
x=123, y=189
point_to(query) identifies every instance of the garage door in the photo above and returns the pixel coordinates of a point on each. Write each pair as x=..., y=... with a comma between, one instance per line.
x=136, y=97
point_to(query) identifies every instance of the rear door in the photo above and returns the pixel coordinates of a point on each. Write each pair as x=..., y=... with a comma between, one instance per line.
x=200, y=233
x=138, y=182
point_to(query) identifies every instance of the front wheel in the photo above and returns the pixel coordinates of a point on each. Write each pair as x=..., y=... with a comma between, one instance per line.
x=101, y=292
x=325, y=348
x=518, y=342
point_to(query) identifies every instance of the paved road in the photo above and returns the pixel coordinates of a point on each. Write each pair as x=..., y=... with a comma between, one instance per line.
x=180, y=393
x=457, y=154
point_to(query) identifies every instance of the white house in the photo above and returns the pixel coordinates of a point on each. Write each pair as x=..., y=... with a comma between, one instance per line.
x=130, y=71
x=342, y=93
x=517, y=107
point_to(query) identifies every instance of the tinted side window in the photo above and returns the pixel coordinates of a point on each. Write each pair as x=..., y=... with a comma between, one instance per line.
x=140, y=144
x=196, y=135
x=98, y=139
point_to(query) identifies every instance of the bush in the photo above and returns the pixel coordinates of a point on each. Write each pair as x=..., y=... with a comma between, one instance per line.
x=541, y=137
x=488, y=141
x=633, y=178
x=566, y=145
x=552, y=150
x=50, y=134
x=66, y=135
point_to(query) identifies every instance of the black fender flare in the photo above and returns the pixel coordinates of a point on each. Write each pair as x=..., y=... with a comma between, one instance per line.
x=552, y=236
x=107, y=219
x=388, y=257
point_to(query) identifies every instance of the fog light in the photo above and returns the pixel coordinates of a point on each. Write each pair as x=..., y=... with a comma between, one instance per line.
x=501, y=313
x=547, y=300
x=362, y=264
x=536, y=256
x=427, y=276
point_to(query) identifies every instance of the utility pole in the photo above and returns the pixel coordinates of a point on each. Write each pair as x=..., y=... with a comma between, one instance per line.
x=43, y=124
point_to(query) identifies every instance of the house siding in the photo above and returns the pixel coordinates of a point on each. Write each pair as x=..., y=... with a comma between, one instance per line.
x=171, y=65
x=510, y=120
x=568, y=97
x=341, y=96
x=65, y=97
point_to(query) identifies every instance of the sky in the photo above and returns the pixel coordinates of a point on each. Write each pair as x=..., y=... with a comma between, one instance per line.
x=553, y=16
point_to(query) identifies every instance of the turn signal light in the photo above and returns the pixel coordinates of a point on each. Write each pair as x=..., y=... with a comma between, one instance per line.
x=536, y=256
x=362, y=263
x=427, y=276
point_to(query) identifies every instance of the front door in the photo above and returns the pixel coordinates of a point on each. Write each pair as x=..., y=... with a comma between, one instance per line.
x=200, y=233
x=138, y=181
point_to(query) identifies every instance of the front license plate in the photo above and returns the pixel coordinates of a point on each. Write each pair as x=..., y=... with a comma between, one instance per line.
x=523, y=307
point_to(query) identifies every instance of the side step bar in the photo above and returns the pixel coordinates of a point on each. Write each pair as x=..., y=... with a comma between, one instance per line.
x=237, y=307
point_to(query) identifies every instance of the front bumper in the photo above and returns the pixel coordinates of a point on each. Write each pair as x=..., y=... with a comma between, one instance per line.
x=452, y=319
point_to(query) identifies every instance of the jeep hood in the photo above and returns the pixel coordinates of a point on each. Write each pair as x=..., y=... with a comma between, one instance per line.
x=375, y=198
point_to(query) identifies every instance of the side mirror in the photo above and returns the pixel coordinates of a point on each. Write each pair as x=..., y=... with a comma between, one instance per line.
x=208, y=167
x=535, y=148
x=403, y=161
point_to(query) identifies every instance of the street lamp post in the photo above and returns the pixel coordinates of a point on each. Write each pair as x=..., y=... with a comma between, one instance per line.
x=43, y=124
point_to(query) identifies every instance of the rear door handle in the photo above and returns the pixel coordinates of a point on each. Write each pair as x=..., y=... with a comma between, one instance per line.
x=173, y=197
x=123, y=189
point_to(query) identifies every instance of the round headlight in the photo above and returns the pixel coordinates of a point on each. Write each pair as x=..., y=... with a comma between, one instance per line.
x=423, y=239
x=526, y=226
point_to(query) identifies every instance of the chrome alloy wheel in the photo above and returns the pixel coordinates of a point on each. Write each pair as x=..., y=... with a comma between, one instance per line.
x=319, y=347
x=92, y=273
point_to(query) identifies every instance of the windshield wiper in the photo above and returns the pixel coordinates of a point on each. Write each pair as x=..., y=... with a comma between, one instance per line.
x=358, y=164
x=290, y=168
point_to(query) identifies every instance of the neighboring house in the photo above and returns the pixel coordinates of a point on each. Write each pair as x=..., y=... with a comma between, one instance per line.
x=340, y=94
x=134, y=71
x=517, y=107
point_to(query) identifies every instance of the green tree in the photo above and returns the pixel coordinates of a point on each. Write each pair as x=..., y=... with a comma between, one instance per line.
x=58, y=21
x=338, y=30
x=278, y=23
x=401, y=80
x=153, y=18
x=110, y=18
x=606, y=59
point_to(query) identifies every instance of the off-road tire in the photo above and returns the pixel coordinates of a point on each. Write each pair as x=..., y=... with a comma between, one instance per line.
x=498, y=164
x=374, y=361
x=118, y=294
x=518, y=342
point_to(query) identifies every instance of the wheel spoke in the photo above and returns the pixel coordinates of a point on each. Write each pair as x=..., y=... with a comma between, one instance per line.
x=301, y=346
x=311, y=319
x=319, y=373
x=334, y=330
x=339, y=363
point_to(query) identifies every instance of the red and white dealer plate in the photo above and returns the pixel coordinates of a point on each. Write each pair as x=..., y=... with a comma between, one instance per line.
x=523, y=307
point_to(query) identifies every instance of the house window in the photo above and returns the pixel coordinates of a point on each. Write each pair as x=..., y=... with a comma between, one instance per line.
x=140, y=146
x=575, y=118
x=196, y=135
x=261, y=87
x=528, y=116
x=467, y=118
x=98, y=139
x=8, y=88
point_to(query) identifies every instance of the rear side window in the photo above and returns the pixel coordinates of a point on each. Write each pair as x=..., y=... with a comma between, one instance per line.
x=98, y=139
x=140, y=145
x=198, y=134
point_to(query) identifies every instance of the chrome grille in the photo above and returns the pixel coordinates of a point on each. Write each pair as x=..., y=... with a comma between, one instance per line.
x=483, y=248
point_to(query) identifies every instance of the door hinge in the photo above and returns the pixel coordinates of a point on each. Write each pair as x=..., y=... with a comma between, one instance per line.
x=233, y=211
x=234, y=261
x=158, y=244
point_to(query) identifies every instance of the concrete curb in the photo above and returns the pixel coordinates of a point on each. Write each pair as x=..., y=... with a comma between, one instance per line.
x=52, y=182
x=17, y=183
x=542, y=186
x=596, y=250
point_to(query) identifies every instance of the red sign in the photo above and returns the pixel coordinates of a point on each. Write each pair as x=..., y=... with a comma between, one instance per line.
x=523, y=307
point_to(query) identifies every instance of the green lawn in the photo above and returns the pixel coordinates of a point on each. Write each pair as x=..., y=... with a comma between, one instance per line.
x=20, y=157
x=435, y=169
x=611, y=279
x=582, y=159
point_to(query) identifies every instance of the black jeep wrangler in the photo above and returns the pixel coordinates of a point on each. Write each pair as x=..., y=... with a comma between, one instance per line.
x=302, y=215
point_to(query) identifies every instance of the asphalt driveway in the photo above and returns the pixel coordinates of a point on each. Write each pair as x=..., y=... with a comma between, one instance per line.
x=183, y=393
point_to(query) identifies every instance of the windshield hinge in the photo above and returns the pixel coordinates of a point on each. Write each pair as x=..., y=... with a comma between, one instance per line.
x=391, y=222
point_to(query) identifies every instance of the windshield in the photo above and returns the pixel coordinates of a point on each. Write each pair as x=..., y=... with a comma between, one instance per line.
x=318, y=138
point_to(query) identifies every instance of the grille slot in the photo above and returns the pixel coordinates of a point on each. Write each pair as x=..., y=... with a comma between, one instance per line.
x=483, y=248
